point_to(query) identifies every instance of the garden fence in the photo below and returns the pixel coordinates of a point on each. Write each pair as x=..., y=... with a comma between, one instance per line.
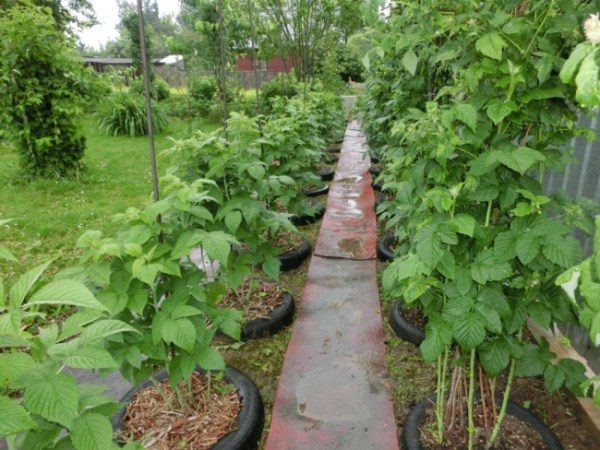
x=581, y=179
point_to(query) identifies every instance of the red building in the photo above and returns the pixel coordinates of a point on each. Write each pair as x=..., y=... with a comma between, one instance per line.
x=276, y=64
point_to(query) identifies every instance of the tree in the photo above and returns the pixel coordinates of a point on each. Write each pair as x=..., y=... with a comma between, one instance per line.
x=65, y=13
x=41, y=82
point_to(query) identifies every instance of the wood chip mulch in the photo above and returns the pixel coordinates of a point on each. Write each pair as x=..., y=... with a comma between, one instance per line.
x=264, y=298
x=208, y=418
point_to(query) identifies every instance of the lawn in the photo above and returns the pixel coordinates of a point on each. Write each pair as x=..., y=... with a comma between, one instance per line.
x=49, y=215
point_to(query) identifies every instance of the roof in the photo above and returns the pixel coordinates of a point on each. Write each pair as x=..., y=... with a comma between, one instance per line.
x=109, y=61
x=171, y=59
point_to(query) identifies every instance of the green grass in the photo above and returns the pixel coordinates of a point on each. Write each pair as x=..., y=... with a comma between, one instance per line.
x=51, y=214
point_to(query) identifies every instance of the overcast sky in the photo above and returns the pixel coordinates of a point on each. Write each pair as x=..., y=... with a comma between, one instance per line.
x=108, y=16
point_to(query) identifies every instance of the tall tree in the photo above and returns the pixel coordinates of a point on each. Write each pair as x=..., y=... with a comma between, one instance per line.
x=65, y=13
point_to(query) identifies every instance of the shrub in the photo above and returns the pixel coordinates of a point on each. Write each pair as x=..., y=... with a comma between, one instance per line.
x=160, y=88
x=40, y=89
x=277, y=87
x=124, y=114
x=203, y=88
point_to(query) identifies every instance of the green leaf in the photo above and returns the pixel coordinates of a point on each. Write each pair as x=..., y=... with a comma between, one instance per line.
x=534, y=360
x=6, y=254
x=467, y=114
x=13, y=418
x=66, y=292
x=528, y=247
x=256, y=171
x=498, y=109
x=563, y=251
x=458, y=306
x=21, y=288
x=494, y=356
x=491, y=45
x=486, y=268
x=211, y=359
x=12, y=365
x=180, y=332
x=92, y=431
x=402, y=268
x=271, y=266
x=233, y=220
x=505, y=246
x=553, y=378
x=428, y=245
x=410, y=61
x=438, y=336
x=103, y=329
x=54, y=396
x=145, y=272
x=588, y=93
x=91, y=358
x=519, y=160
x=218, y=245
x=469, y=330
x=447, y=265
x=571, y=66
x=465, y=224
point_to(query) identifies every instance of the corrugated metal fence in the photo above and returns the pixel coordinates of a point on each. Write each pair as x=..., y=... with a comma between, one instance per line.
x=581, y=179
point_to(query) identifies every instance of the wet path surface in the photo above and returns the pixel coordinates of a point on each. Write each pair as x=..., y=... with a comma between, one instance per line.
x=332, y=391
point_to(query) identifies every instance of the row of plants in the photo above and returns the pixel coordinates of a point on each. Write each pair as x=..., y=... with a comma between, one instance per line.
x=201, y=263
x=467, y=110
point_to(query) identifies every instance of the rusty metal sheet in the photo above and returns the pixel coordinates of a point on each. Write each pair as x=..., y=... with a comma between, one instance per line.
x=334, y=391
x=349, y=228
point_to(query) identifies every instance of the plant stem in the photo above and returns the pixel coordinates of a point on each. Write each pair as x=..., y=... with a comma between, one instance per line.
x=471, y=428
x=488, y=214
x=441, y=395
x=162, y=393
x=505, y=398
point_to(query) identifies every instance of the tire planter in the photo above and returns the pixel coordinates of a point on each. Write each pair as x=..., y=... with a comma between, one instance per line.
x=276, y=320
x=327, y=176
x=307, y=219
x=379, y=199
x=316, y=192
x=403, y=328
x=411, y=434
x=384, y=248
x=292, y=259
x=377, y=186
x=374, y=158
x=375, y=171
x=250, y=420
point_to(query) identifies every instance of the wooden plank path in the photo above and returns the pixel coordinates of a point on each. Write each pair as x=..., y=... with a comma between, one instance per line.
x=333, y=391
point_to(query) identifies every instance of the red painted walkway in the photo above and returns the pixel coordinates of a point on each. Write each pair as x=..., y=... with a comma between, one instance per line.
x=332, y=392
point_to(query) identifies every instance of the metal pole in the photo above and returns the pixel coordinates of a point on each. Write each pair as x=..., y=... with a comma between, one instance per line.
x=142, y=32
x=224, y=113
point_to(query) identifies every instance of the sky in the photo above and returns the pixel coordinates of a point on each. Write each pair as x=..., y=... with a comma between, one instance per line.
x=108, y=16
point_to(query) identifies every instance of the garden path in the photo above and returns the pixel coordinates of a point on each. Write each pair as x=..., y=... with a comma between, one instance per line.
x=333, y=390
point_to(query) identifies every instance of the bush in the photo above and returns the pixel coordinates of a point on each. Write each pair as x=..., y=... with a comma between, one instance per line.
x=41, y=84
x=160, y=88
x=203, y=88
x=277, y=87
x=124, y=114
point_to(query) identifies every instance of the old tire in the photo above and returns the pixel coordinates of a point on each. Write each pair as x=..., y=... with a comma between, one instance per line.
x=292, y=259
x=384, y=248
x=276, y=320
x=307, y=219
x=327, y=176
x=377, y=186
x=403, y=328
x=250, y=420
x=411, y=434
x=316, y=192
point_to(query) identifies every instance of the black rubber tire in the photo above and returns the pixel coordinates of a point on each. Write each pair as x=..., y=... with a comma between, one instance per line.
x=375, y=171
x=384, y=248
x=411, y=434
x=306, y=219
x=379, y=199
x=377, y=186
x=292, y=259
x=327, y=176
x=250, y=420
x=276, y=320
x=322, y=191
x=403, y=328
x=331, y=158
x=374, y=158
